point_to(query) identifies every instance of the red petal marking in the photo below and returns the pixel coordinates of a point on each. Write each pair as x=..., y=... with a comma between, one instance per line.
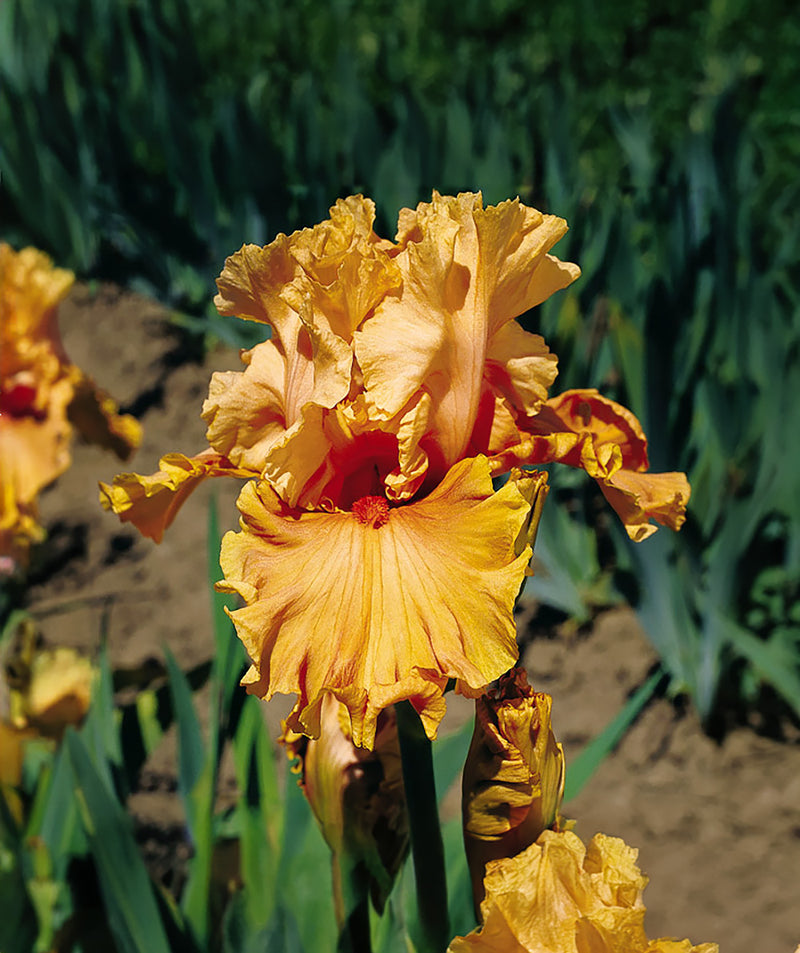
x=18, y=401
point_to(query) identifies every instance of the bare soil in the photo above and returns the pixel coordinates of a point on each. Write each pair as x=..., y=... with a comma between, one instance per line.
x=717, y=824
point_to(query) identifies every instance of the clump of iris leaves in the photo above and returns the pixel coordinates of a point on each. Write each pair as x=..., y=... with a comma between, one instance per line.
x=143, y=141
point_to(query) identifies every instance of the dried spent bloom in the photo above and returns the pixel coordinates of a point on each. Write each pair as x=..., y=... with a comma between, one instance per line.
x=42, y=398
x=376, y=561
x=358, y=799
x=559, y=896
x=513, y=779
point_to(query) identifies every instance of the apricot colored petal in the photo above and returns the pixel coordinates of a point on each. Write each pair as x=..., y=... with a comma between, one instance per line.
x=244, y=409
x=561, y=446
x=152, y=502
x=361, y=283
x=295, y=460
x=640, y=497
x=514, y=241
x=467, y=271
x=333, y=457
x=604, y=422
x=584, y=429
x=251, y=286
x=332, y=359
x=558, y=896
x=521, y=367
x=313, y=287
x=322, y=250
x=378, y=613
x=536, y=900
x=95, y=415
x=346, y=266
x=34, y=450
x=280, y=284
x=513, y=779
x=59, y=691
x=412, y=461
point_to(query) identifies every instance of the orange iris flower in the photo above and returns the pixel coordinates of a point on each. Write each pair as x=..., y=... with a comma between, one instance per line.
x=376, y=560
x=42, y=396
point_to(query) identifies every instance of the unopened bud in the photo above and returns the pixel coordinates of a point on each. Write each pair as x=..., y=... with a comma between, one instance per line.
x=513, y=779
x=358, y=799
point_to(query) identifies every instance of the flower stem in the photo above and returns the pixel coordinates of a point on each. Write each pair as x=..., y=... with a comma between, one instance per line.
x=355, y=934
x=427, y=848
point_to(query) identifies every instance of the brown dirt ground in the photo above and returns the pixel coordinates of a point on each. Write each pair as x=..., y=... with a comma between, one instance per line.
x=717, y=825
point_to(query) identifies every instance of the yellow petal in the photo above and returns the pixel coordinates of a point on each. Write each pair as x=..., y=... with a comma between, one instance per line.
x=34, y=451
x=59, y=692
x=558, y=896
x=152, y=502
x=347, y=269
x=467, y=271
x=640, y=497
x=41, y=396
x=30, y=290
x=314, y=287
x=380, y=603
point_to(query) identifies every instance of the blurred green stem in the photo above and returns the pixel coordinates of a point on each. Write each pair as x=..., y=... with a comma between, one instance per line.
x=427, y=847
x=354, y=936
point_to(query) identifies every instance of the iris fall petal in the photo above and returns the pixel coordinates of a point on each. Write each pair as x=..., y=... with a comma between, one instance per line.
x=380, y=603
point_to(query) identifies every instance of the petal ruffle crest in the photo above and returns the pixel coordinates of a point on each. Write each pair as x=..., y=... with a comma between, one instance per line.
x=152, y=502
x=378, y=611
x=467, y=272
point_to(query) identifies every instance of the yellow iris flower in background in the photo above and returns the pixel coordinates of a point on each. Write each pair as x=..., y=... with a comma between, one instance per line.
x=42, y=397
x=376, y=560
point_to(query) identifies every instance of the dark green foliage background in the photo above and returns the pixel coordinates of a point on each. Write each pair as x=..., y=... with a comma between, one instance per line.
x=145, y=140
